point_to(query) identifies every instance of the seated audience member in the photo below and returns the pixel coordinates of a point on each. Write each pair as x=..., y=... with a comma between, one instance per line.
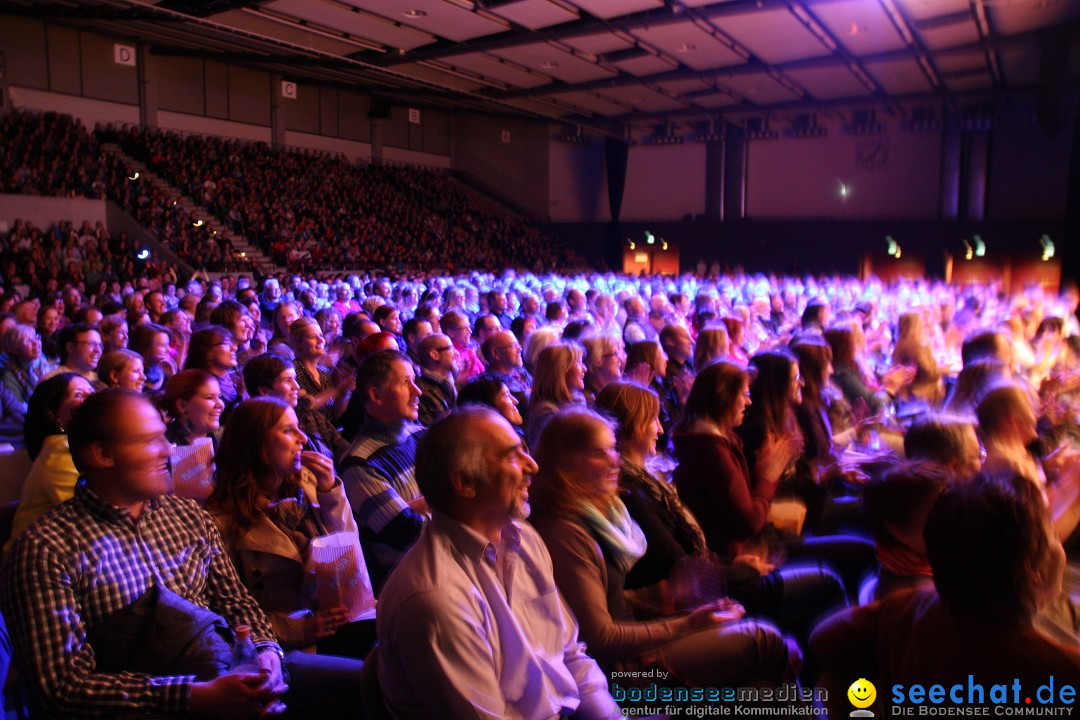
x=437, y=358
x=974, y=379
x=325, y=390
x=996, y=560
x=80, y=349
x=503, y=354
x=947, y=440
x=712, y=345
x=647, y=359
x=192, y=400
x=283, y=315
x=495, y=395
x=414, y=330
x=122, y=368
x=212, y=349
x=604, y=361
x=53, y=476
x=114, y=332
x=378, y=468
x=122, y=537
x=912, y=348
x=25, y=365
x=274, y=376
x=235, y=318
x=559, y=382
x=458, y=636
x=536, y=343
x=269, y=505
x=594, y=543
x=1008, y=425
x=455, y=325
x=848, y=376
x=154, y=343
x=896, y=506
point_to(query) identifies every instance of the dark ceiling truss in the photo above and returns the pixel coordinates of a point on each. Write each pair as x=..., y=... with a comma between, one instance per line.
x=246, y=32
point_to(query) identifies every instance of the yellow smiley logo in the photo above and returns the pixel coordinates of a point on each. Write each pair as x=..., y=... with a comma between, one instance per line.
x=862, y=693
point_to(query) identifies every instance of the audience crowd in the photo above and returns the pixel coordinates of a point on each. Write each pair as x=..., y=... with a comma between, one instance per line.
x=720, y=462
x=560, y=487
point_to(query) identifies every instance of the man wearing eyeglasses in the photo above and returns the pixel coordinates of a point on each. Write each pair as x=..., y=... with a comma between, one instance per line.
x=80, y=349
x=502, y=351
x=437, y=357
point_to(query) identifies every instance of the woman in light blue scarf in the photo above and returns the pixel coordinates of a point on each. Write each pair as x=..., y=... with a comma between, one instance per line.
x=594, y=542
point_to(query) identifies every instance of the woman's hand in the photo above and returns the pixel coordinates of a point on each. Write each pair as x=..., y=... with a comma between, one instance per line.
x=715, y=613
x=322, y=468
x=324, y=623
x=776, y=453
x=897, y=377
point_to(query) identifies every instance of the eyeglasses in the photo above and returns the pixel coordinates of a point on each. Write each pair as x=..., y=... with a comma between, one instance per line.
x=92, y=345
x=444, y=349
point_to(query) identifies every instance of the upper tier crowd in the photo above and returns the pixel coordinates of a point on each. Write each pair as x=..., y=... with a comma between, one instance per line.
x=305, y=210
x=712, y=466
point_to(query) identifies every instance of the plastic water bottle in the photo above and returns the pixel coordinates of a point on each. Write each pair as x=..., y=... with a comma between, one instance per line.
x=244, y=657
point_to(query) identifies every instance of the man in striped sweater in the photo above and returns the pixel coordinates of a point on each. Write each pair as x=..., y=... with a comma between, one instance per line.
x=378, y=468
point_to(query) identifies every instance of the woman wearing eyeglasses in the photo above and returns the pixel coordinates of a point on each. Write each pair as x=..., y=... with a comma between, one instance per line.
x=212, y=349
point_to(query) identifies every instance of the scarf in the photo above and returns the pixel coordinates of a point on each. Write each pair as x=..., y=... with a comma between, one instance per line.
x=295, y=517
x=618, y=532
x=635, y=478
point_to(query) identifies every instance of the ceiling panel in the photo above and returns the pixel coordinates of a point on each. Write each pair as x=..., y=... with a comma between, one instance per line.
x=534, y=14
x=828, y=83
x=899, y=77
x=860, y=25
x=717, y=100
x=438, y=17
x=971, y=81
x=681, y=87
x=539, y=107
x=758, y=88
x=591, y=102
x=646, y=65
x=1011, y=19
x=491, y=67
x=951, y=35
x=551, y=60
x=924, y=9
x=643, y=99
x=442, y=77
x=690, y=45
x=262, y=24
x=774, y=35
x=598, y=43
x=1020, y=66
x=960, y=61
x=614, y=8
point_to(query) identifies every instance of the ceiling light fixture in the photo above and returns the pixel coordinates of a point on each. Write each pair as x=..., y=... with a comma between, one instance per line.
x=685, y=48
x=549, y=64
x=414, y=13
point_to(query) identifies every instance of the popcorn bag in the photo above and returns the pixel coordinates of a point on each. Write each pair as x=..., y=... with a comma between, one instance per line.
x=340, y=574
x=193, y=470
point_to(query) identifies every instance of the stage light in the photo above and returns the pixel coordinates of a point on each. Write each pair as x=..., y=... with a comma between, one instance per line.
x=980, y=246
x=968, y=252
x=1047, y=246
x=650, y=238
x=198, y=223
x=143, y=254
x=134, y=177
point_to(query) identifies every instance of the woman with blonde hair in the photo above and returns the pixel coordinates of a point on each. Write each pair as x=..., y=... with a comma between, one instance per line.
x=559, y=381
x=534, y=345
x=712, y=345
x=604, y=359
x=913, y=349
x=594, y=543
x=122, y=368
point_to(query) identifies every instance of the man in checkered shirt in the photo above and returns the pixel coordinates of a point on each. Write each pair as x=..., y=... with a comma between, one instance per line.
x=99, y=552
